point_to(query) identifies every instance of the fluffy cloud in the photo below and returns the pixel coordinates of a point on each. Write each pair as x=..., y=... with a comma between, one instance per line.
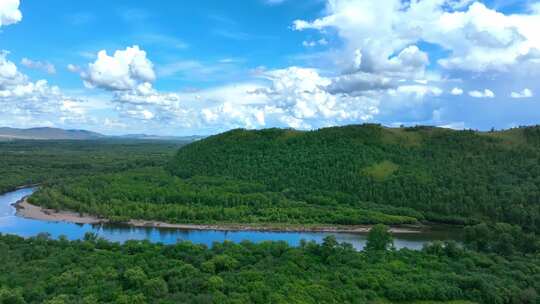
x=419, y=91
x=478, y=38
x=526, y=93
x=9, y=74
x=32, y=103
x=22, y=97
x=125, y=70
x=456, y=91
x=302, y=94
x=9, y=12
x=360, y=82
x=44, y=66
x=482, y=94
x=483, y=39
x=293, y=97
x=382, y=68
x=386, y=47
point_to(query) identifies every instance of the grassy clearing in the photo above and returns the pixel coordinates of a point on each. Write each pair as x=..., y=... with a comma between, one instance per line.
x=381, y=171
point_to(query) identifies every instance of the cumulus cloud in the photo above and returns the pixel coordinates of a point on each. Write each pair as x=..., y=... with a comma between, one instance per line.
x=39, y=65
x=123, y=71
x=360, y=82
x=20, y=96
x=382, y=66
x=526, y=93
x=33, y=103
x=486, y=93
x=420, y=91
x=73, y=68
x=293, y=97
x=9, y=12
x=301, y=93
x=478, y=38
x=9, y=74
x=456, y=91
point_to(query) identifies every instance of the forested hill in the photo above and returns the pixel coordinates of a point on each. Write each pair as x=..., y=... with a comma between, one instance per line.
x=449, y=176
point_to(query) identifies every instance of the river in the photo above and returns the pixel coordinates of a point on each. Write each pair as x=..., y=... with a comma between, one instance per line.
x=10, y=223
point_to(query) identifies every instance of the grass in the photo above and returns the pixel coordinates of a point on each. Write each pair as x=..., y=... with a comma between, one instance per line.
x=400, y=136
x=381, y=171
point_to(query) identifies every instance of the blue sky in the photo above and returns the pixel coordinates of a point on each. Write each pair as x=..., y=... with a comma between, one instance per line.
x=202, y=67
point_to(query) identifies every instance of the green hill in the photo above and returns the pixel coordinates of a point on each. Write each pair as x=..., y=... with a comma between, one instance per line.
x=349, y=175
x=447, y=175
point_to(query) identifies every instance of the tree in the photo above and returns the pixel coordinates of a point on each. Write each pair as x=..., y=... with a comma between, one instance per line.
x=379, y=238
x=11, y=296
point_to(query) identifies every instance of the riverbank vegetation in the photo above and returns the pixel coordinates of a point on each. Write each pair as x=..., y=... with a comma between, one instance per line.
x=41, y=270
x=154, y=194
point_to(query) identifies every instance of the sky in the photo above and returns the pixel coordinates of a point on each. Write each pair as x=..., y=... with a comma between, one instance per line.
x=204, y=67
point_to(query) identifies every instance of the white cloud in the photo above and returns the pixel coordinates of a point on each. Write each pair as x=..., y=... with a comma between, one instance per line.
x=380, y=68
x=302, y=94
x=73, y=68
x=478, y=38
x=482, y=94
x=9, y=74
x=456, y=91
x=146, y=94
x=526, y=93
x=39, y=65
x=9, y=12
x=360, y=82
x=292, y=97
x=313, y=43
x=21, y=97
x=125, y=70
x=420, y=91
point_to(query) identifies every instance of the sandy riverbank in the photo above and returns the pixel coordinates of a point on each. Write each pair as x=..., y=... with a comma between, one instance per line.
x=27, y=210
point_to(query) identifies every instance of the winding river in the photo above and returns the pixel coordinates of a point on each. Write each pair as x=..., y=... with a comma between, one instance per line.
x=10, y=223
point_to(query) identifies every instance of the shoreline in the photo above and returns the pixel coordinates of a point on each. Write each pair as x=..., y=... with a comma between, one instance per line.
x=26, y=210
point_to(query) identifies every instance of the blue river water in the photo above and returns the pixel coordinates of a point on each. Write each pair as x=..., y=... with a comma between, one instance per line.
x=10, y=223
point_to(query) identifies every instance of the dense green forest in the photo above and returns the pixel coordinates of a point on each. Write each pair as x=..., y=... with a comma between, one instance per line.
x=452, y=176
x=349, y=175
x=24, y=162
x=154, y=194
x=41, y=270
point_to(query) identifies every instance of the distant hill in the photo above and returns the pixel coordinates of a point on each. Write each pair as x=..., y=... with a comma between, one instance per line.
x=46, y=133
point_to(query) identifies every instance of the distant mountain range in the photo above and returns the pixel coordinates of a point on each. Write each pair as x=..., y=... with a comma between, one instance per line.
x=46, y=133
